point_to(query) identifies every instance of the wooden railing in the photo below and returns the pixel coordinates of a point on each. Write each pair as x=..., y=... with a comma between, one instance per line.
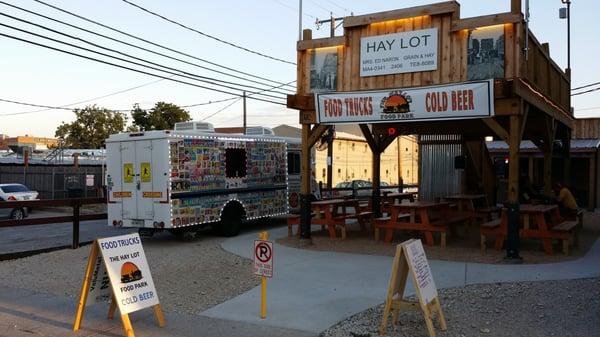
x=75, y=218
x=544, y=74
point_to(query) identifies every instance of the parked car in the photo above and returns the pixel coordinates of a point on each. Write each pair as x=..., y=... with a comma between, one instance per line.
x=362, y=187
x=15, y=192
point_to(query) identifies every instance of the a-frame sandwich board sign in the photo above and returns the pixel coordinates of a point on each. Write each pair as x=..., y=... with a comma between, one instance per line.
x=117, y=270
x=410, y=259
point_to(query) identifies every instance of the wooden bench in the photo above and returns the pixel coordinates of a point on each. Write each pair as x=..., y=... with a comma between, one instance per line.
x=387, y=224
x=566, y=232
x=294, y=220
x=491, y=228
x=487, y=213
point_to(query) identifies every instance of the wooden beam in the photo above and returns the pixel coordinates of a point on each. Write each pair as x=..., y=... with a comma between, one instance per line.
x=486, y=20
x=515, y=6
x=320, y=43
x=368, y=136
x=315, y=133
x=537, y=99
x=301, y=102
x=411, y=12
x=506, y=106
x=498, y=129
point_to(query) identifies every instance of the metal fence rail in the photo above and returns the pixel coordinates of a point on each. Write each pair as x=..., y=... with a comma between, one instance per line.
x=55, y=182
x=75, y=218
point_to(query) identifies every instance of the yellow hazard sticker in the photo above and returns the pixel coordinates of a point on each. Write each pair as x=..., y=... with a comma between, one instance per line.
x=128, y=173
x=122, y=194
x=146, y=172
x=152, y=194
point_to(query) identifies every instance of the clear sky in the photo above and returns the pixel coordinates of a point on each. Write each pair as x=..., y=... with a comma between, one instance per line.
x=35, y=75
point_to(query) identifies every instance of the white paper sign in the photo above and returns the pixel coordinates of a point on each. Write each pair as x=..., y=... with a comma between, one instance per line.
x=89, y=180
x=399, y=53
x=129, y=272
x=438, y=102
x=263, y=258
x=420, y=266
x=99, y=284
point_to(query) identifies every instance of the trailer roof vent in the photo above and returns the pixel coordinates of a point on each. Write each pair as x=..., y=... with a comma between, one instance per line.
x=259, y=131
x=195, y=126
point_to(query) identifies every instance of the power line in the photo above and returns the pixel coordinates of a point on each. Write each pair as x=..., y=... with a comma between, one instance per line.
x=585, y=92
x=207, y=103
x=135, y=70
x=143, y=40
x=585, y=86
x=118, y=52
x=192, y=77
x=338, y=6
x=45, y=106
x=318, y=5
x=220, y=110
x=205, y=34
x=294, y=9
x=87, y=100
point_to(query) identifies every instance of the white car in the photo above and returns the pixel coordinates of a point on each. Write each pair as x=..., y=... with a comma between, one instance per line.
x=15, y=192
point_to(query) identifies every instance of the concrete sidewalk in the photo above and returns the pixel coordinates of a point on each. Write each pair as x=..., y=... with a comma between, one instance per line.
x=26, y=313
x=313, y=290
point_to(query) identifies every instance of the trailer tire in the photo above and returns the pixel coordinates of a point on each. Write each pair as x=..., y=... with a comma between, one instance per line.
x=231, y=220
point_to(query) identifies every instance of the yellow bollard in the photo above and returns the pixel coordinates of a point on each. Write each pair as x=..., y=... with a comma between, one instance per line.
x=263, y=284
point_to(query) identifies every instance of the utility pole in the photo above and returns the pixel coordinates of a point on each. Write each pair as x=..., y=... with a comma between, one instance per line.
x=244, y=100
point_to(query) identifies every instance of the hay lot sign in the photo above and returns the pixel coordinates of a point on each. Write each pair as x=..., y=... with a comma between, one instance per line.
x=440, y=102
x=399, y=53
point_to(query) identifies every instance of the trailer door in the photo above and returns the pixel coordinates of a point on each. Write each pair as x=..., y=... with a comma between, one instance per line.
x=143, y=158
x=129, y=181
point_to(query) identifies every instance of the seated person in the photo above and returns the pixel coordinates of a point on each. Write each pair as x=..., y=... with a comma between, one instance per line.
x=566, y=202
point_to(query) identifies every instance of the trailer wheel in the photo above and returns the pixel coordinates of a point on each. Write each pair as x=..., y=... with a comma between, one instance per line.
x=231, y=220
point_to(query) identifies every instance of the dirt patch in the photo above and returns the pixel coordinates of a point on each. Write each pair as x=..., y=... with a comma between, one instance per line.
x=461, y=247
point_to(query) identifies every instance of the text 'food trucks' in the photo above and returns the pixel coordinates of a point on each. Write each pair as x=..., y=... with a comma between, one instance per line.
x=183, y=181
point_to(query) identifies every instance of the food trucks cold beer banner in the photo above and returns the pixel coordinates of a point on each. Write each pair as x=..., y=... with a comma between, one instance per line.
x=441, y=102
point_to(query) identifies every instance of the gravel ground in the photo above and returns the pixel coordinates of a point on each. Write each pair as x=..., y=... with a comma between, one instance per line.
x=189, y=276
x=530, y=309
x=462, y=247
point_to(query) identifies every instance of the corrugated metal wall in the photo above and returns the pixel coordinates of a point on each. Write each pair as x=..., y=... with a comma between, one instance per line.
x=53, y=182
x=438, y=177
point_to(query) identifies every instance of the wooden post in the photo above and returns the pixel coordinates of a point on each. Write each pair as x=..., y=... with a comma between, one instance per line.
x=376, y=195
x=515, y=6
x=75, y=243
x=567, y=159
x=547, y=171
x=305, y=185
x=512, y=242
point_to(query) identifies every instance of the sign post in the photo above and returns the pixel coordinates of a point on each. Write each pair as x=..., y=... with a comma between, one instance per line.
x=117, y=270
x=263, y=267
x=410, y=258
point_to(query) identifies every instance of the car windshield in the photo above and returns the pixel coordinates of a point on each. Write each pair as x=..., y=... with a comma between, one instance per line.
x=14, y=188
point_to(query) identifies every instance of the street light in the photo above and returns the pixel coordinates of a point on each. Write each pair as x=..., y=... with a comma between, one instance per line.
x=565, y=13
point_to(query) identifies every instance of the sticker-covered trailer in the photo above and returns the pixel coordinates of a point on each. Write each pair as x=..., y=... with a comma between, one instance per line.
x=182, y=182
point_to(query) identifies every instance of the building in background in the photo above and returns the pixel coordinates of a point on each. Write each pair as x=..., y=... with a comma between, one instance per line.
x=19, y=143
x=352, y=158
x=3, y=142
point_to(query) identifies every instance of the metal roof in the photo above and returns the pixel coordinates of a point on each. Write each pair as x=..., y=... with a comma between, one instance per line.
x=577, y=145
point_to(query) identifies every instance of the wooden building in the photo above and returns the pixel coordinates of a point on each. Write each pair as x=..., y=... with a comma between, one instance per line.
x=426, y=71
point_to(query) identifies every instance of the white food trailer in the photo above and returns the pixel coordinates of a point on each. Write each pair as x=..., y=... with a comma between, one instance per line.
x=185, y=180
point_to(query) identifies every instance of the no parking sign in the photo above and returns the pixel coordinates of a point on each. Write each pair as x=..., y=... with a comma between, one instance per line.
x=263, y=258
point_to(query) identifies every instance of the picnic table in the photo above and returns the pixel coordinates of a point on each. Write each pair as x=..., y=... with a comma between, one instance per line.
x=391, y=198
x=425, y=216
x=474, y=205
x=538, y=221
x=334, y=213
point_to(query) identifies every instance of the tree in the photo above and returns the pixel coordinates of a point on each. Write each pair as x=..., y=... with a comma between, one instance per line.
x=162, y=116
x=91, y=127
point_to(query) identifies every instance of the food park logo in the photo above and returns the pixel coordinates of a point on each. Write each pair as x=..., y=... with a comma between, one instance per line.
x=396, y=102
x=130, y=273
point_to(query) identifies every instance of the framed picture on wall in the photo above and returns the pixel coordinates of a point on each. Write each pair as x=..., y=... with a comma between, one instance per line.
x=485, y=53
x=323, y=70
